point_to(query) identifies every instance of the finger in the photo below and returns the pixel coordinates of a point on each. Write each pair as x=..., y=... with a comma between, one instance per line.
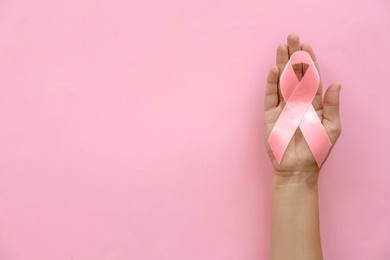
x=317, y=102
x=307, y=47
x=271, y=98
x=331, y=117
x=294, y=45
x=281, y=61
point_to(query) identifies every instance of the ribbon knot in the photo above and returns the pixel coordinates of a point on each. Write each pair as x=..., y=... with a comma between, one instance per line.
x=299, y=111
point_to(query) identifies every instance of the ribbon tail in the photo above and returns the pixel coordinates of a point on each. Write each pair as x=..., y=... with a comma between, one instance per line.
x=315, y=135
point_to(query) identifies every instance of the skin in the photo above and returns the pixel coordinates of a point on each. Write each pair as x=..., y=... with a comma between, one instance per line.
x=294, y=216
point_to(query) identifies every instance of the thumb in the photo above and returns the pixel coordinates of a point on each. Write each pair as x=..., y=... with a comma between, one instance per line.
x=331, y=116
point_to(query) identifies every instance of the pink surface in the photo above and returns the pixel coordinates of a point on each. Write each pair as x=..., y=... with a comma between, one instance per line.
x=133, y=129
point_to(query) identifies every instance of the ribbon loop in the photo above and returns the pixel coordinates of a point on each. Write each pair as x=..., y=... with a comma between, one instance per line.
x=299, y=111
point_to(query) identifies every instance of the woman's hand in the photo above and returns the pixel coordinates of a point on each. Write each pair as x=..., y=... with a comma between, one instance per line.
x=298, y=159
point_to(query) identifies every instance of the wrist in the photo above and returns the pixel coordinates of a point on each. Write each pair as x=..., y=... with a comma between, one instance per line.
x=296, y=177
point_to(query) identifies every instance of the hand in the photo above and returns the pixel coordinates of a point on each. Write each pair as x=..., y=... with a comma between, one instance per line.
x=298, y=158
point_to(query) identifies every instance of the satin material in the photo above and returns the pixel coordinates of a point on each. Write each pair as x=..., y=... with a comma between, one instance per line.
x=299, y=111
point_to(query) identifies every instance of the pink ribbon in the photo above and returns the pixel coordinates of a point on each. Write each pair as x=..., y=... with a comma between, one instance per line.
x=299, y=112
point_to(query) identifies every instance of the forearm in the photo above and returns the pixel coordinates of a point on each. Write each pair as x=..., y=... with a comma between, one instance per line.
x=295, y=218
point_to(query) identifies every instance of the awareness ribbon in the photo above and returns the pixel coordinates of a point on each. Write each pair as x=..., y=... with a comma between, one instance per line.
x=299, y=111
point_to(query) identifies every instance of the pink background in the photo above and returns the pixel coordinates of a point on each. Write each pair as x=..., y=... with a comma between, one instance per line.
x=133, y=129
